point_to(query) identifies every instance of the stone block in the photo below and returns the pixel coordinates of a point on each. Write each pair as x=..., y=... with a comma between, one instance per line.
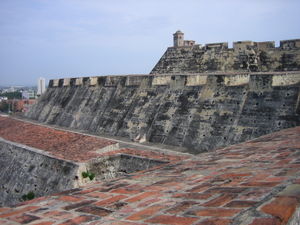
x=111, y=81
x=236, y=80
x=79, y=81
x=161, y=80
x=134, y=80
x=93, y=81
x=66, y=82
x=285, y=79
x=242, y=45
x=55, y=82
x=196, y=80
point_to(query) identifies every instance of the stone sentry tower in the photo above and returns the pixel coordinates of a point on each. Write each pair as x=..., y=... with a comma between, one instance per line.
x=245, y=56
x=179, y=41
x=178, y=38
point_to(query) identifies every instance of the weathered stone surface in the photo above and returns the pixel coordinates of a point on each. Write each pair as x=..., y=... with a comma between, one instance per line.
x=245, y=56
x=24, y=170
x=200, y=112
x=282, y=80
x=119, y=165
x=196, y=80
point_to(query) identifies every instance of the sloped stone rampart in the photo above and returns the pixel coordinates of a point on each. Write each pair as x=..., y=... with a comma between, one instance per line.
x=200, y=112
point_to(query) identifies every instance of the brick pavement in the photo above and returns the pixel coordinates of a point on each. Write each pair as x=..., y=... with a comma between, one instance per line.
x=61, y=144
x=252, y=183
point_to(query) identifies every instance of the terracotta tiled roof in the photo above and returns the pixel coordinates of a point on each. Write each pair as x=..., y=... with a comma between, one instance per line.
x=257, y=182
x=61, y=144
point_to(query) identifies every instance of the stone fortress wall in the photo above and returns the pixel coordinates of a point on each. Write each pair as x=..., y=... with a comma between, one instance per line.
x=196, y=97
x=188, y=57
x=198, y=111
x=180, y=105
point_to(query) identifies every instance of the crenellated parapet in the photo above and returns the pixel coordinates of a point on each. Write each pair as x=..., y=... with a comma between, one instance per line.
x=178, y=80
x=290, y=44
x=244, y=56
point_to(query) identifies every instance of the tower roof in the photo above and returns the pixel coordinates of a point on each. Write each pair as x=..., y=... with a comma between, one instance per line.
x=178, y=32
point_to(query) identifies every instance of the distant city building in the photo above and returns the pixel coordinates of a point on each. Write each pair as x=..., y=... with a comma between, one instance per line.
x=25, y=95
x=3, y=99
x=29, y=94
x=10, y=89
x=41, y=86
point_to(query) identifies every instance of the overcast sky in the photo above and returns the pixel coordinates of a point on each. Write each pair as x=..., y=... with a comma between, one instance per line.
x=71, y=38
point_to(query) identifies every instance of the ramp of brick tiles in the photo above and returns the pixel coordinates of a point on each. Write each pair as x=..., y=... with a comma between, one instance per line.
x=61, y=144
x=52, y=165
x=257, y=182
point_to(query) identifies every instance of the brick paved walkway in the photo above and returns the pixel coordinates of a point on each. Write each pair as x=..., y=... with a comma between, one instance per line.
x=61, y=144
x=256, y=182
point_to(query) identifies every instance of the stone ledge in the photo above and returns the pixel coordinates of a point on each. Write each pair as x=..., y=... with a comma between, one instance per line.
x=197, y=79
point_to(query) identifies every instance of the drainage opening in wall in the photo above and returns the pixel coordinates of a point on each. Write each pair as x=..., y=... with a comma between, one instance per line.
x=110, y=167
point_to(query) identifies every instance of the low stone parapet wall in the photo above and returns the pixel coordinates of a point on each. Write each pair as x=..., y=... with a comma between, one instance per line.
x=198, y=79
x=26, y=169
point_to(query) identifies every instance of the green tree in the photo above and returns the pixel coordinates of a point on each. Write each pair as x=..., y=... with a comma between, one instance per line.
x=4, y=106
x=12, y=95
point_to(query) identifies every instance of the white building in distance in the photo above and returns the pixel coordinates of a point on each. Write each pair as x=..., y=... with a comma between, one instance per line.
x=41, y=86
